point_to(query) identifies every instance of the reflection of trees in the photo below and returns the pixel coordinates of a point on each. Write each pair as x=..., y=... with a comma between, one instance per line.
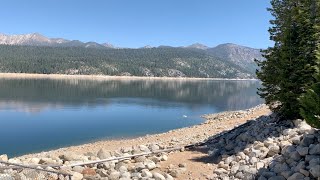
x=232, y=94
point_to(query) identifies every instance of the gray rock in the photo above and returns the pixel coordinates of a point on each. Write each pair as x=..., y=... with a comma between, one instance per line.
x=268, y=174
x=286, y=174
x=296, y=176
x=144, y=148
x=304, y=172
x=296, y=140
x=315, y=171
x=307, y=140
x=158, y=176
x=239, y=175
x=114, y=175
x=273, y=150
x=140, y=158
x=314, y=162
x=277, y=178
x=302, y=150
x=278, y=168
x=102, y=154
x=125, y=175
x=262, y=178
x=72, y=157
x=146, y=173
x=154, y=147
x=295, y=156
x=311, y=157
x=139, y=166
x=315, y=150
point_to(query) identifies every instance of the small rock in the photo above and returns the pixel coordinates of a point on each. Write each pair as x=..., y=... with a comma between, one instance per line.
x=307, y=140
x=151, y=165
x=277, y=178
x=302, y=150
x=304, y=172
x=168, y=177
x=146, y=173
x=296, y=176
x=88, y=171
x=315, y=171
x=78, y=169
x=102, y=154
x=158, y=176
x=76, y=176
x=164, y=157
x=114, y=175
x=3, y=157
x=315, y=150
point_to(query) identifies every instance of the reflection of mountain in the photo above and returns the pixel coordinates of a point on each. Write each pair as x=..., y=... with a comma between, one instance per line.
x=77, y=92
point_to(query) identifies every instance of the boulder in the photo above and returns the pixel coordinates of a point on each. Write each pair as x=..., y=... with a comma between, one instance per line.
x=114, y=175
x=307, y=140
x=76, y=176
x=3, y=157
x=315, y=150
x=296, y=176
x=102, y=154
x=302, y=150
x=158, y=176
x=315, y=171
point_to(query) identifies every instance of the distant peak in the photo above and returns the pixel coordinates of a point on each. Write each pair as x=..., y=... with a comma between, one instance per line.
x=198, y=46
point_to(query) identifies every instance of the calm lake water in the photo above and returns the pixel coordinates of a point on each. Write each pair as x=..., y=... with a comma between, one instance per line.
x=43, y=114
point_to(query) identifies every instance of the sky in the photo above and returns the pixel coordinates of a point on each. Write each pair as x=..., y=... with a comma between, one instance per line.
x=136, y=23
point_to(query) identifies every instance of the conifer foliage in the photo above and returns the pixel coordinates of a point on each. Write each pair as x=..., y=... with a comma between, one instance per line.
x=290, y=66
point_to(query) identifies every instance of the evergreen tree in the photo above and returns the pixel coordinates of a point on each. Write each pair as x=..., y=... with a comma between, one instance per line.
x=289, y=67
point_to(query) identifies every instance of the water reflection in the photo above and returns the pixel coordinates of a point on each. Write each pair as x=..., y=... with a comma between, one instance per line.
x=34, y=95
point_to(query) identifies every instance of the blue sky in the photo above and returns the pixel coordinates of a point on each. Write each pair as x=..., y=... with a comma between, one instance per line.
x=136, y=23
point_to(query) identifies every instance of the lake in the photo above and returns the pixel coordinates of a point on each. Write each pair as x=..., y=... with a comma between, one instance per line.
x=43, y=114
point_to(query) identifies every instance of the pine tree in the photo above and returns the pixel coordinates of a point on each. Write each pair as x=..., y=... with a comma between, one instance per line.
x=289, y=67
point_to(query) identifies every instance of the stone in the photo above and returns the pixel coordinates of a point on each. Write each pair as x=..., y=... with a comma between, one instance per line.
x=89, y=171
x=296, y=140
x=102, y=172
x=273, y=150
x=72, y=157
x=307, y=140
x=158, y=176
x=286, y=174
x=164, y=157
x=168, y=177
x=154, y=147
x=146, y=173
x=78, y=169
x=151, y=165
x=125, y=175
x=220, y=171
x=239, y=175
x=144, y=148
x=260, y=165
x=139, y=166
x=315, y=171
x=3, y=157
x=295, y=156
x=277, y=178
x=304, y=172
x=296, y=176
x=315, y=150
x=140, y=158
x=302, y=150
x=314, y=162
x=76, y=176
x=262, y=178
x=268, y=174
x=234, y=169
x=114, y=175
x=102, y=154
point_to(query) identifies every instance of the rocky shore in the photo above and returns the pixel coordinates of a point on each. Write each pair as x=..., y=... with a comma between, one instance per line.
x=259, y=148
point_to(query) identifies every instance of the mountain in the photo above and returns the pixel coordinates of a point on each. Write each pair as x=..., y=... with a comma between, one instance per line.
x=153, y=62
x=239, y=55
x=198, y=46
x=36, y=39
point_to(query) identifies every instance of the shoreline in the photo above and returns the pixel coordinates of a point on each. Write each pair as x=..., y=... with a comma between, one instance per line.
x=106, y=77
x=212, y=124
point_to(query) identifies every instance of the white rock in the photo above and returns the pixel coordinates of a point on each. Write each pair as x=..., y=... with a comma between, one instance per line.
x=146, y=173
x=3, y=157
x=76, y=176
x=158, y=176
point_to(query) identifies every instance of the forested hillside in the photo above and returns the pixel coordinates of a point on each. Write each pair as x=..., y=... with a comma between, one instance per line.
x=160, y=62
